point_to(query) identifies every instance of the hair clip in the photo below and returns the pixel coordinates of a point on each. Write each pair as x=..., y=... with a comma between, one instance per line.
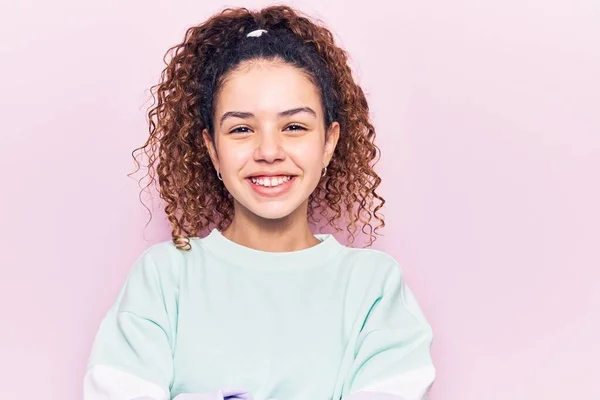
x=256, y=33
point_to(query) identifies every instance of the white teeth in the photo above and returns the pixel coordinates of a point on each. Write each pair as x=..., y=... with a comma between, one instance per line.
x=269, y=182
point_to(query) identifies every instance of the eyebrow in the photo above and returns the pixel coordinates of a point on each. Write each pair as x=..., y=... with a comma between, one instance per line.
x=286, y=113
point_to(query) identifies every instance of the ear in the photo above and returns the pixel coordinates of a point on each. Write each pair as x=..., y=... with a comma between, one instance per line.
x=212, y=152
x=333, y=135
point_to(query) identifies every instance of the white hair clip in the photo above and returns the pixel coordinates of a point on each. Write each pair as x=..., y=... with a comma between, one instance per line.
x=256, y=33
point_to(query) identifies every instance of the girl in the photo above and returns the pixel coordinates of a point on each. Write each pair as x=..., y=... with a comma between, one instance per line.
x=260, y=130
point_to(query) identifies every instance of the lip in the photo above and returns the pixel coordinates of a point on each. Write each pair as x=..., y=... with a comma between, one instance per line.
x=265, y=174
x=271, y=191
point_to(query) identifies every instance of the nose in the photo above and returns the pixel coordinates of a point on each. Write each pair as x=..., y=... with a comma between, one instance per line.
x=269, y=146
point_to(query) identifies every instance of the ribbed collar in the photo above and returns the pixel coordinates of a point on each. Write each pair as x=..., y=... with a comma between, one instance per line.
x=237, y=254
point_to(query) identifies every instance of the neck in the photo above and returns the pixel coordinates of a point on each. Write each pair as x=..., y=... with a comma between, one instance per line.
x=290, y=233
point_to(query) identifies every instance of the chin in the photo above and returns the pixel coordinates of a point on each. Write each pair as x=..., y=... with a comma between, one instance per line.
x=271, y=211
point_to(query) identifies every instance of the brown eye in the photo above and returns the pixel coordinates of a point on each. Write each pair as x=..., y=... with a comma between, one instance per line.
x=296, y=127
x=240, y=129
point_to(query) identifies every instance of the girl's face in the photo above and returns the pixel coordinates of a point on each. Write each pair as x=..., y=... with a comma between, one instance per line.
x=270, y=139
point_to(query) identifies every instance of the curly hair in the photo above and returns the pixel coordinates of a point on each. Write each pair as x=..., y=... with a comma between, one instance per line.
x=184, y=106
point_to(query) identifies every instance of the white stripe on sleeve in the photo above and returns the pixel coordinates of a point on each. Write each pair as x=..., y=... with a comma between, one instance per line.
x=106, y=383
x=413, y=385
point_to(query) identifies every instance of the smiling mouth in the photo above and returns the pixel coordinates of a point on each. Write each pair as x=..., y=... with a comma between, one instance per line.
x=270, y=181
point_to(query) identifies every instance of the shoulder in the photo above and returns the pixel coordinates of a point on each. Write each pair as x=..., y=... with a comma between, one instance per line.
x=165, y=252
x=376, y=275
x=161, y=264
x=370, y=266
x=154, y=276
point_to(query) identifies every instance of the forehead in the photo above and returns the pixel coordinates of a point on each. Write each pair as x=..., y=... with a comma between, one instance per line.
x=267, y=86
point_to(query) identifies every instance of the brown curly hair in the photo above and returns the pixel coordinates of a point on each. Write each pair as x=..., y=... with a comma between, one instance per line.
x=183, y=107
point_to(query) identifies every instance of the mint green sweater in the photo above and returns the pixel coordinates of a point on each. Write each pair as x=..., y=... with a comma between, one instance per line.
x=316, y=324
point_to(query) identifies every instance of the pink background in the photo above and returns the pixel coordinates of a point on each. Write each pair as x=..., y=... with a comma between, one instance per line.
x=488, y=113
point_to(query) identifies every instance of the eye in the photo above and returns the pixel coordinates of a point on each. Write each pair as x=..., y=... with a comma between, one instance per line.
x=296, y=127
x=240, y=129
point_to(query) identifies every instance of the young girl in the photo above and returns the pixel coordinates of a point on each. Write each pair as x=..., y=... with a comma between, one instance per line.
x=259, y=130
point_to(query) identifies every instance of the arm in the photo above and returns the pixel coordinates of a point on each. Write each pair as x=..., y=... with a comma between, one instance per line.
x=392, y=353
x=218, y=395
x=132, y=353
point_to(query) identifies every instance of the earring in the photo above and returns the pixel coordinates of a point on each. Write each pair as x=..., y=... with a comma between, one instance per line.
x=324, y=172
x=219, y=176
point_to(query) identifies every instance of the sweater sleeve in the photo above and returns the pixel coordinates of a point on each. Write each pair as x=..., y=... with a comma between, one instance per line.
x=392, y=352
x=131, y=355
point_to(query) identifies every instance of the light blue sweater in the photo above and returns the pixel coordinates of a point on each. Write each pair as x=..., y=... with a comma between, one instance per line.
x=316, y=324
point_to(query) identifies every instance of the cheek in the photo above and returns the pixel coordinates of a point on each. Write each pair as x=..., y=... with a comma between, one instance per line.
x=233, y=158
x=308, y=155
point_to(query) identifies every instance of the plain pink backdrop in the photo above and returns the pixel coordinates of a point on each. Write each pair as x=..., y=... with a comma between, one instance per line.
x=488, y=114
